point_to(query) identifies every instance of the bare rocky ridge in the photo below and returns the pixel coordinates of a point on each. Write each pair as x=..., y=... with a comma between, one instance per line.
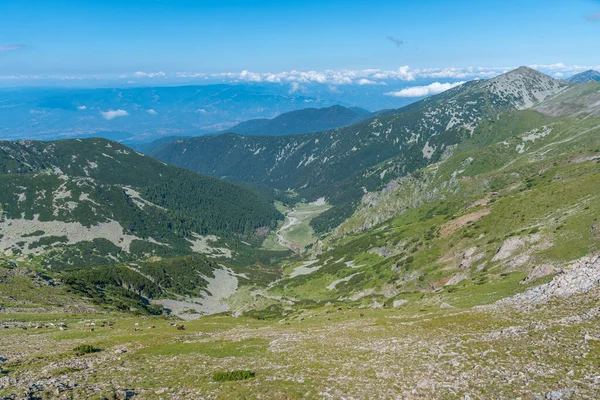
x=524, y=87
x=580, y=277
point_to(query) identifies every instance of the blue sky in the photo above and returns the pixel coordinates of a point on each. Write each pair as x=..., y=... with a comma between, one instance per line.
x=159, y=39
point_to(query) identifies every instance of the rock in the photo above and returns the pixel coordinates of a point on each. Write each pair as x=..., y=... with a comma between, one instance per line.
x=384, y=251
x=456, y=279
x=559, y=395
x=445, y=305
x=399, y=303
x=467, y=258
x=514, y=243
x=580, y=277
x=519, y=261
x=539, y=272
x=376, y=304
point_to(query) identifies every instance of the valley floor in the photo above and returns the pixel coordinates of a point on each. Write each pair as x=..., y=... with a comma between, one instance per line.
x=545, y=351
x=295, y=233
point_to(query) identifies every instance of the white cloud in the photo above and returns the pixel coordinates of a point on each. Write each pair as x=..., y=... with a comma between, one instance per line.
x=158, y=74
x=296, y=87
x=9, y=47
x=151, y=112
x=112, y=114
x=82, y=108
x=296, y=79
x=365, y=81
x=327, y=77
x=422, y=91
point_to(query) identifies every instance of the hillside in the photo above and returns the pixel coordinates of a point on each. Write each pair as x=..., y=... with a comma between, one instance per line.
x=514, y=207
x=301, y=121
x=336, y=164
x=93, y=201
x=586, y=76
x=420, y=132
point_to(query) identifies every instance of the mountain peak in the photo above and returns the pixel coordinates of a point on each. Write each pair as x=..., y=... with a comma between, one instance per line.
x=524, y=87
x=526, y=69
x=586, y=76
x=522, y=71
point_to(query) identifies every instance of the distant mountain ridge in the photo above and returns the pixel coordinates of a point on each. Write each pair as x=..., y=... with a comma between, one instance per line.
x=586, y=76
x=340, y=164
x=301, y=121
x=139, y=114
x=421, y=131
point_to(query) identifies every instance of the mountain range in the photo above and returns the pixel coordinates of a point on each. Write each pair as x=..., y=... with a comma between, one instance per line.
x=443, y=233
x=340, y=164
x=585, y=76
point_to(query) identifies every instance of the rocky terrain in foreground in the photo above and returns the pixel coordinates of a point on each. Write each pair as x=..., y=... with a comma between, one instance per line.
x=549, y=351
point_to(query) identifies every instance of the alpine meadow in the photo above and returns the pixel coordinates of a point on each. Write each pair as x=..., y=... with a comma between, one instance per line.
x=328, y=223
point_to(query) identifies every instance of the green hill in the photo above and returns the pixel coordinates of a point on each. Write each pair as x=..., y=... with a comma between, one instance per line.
x=301, y=121
x=93, y=201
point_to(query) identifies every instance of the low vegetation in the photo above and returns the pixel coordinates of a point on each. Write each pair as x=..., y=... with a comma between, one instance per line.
x=236, y=375
x=86, y=349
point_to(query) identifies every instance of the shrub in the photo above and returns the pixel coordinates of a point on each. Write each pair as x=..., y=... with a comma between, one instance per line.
x=228, y=376
x=85, y=349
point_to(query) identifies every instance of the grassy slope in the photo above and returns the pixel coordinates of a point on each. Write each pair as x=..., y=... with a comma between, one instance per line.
x=548, y=188
x=324, y=352
x=85, y=181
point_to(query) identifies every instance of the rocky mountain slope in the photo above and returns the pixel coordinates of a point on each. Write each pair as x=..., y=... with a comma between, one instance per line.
x=86, y=202
x=514, y=205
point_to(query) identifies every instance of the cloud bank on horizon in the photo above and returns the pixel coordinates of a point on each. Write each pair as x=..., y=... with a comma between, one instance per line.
x=372, y=76
x=405, y=82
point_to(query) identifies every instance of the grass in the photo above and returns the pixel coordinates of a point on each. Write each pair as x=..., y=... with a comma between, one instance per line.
x=322, y=350
x=229, y=376
x=540, y=191
x=65, y=371
x=83, y=349
x=301, y=234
